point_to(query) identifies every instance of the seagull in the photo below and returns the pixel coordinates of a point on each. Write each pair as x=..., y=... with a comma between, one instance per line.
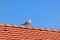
x=27, y=22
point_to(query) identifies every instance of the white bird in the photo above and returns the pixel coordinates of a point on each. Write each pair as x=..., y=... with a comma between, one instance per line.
x=27, y=22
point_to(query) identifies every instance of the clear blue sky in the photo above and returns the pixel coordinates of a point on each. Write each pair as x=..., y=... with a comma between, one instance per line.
x=44, y=13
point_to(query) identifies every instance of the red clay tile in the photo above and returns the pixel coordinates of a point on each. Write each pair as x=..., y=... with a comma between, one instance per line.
x=11, y=32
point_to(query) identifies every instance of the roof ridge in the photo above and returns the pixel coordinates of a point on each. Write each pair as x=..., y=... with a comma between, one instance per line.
x=26, y=27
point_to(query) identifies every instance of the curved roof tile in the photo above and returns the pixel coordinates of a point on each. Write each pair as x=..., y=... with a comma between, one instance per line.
x=12, y=32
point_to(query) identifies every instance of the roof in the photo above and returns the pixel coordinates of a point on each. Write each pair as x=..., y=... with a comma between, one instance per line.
x=12, y=32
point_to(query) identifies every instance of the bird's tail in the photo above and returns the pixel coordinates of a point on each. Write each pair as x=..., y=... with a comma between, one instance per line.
x=22, y=24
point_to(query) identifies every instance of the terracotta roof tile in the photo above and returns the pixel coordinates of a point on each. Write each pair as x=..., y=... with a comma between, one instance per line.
x=12, y=32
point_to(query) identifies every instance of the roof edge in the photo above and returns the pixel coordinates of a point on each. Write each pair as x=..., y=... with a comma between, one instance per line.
x=28, y=27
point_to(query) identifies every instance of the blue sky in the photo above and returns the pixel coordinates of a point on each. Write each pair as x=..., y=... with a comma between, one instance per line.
x=44, y=13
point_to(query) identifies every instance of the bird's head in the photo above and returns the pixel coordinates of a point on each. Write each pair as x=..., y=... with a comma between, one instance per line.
x=30, y=20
